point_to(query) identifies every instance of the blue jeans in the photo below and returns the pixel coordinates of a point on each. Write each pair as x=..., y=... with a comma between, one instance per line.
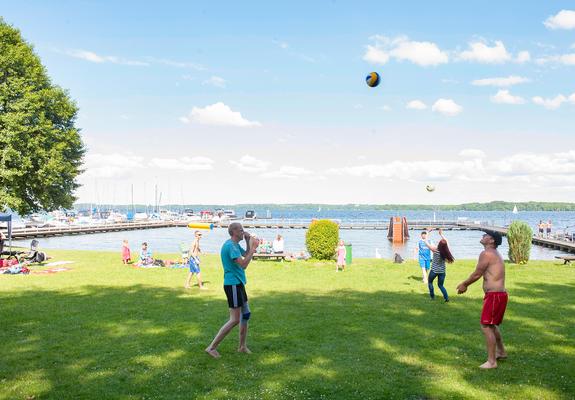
x=440, y=280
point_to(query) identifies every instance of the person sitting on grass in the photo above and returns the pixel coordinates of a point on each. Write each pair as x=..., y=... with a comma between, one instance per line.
x=146, y=258
x=441, y=254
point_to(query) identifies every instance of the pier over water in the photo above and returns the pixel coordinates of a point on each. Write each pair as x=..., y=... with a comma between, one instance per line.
x=32, y=233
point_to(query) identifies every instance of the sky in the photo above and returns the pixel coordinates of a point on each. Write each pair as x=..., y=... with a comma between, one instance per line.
x=266, y=102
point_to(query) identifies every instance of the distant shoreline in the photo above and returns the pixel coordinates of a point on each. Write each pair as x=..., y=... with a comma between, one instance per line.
x=490, y=206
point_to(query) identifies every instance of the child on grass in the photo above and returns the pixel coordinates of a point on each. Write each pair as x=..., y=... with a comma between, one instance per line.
x=126, y=255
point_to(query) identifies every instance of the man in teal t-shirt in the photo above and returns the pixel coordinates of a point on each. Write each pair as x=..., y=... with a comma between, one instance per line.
x=235, y=260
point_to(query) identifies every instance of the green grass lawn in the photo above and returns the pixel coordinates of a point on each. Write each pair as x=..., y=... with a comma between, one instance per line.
x=107, y=331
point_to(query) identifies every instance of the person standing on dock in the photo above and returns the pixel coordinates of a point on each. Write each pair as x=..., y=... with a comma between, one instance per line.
x=549, y=225
x=492, y=268
x=424, y=255
x=235, y=260
x=541, y=228
x=194, y=261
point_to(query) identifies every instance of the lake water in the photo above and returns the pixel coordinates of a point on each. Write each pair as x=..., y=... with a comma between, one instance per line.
x=365, y=243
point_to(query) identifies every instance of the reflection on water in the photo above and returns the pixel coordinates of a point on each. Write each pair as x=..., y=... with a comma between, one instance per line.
x=464, y=244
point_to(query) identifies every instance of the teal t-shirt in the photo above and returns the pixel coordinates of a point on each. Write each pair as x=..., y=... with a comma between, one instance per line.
x=234, y=274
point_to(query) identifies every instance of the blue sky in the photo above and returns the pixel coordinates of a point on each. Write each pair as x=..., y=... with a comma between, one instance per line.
x=259, y=102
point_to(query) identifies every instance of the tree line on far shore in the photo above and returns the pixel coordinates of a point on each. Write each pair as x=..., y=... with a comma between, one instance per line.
x=261, y=208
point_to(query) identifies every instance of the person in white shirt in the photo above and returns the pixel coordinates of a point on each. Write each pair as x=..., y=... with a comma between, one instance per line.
x=278, y=244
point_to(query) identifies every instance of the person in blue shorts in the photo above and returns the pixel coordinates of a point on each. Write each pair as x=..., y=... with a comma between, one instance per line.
x=235, y=260
x=194, y=262
x=424, y=255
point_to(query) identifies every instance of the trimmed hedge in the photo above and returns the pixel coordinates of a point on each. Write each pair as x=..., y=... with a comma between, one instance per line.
x=519, y=236
x=321, y=239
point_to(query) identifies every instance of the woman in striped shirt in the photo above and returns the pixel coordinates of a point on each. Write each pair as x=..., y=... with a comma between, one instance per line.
x=441, y=254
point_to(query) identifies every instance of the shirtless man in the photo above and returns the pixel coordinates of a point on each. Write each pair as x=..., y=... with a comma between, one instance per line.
x=491, y=267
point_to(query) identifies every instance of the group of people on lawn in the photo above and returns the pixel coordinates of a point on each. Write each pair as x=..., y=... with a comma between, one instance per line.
x=235, y=260
x=432, y=260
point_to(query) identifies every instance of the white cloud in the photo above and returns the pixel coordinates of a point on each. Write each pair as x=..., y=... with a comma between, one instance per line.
x=504, y=97
x=215, y=81
x=375, y=55
x=91, y=56
x=100, y=59
x=358, y=106
x=500, y=82
x=416, y=105
x=481, y=52
x=218, y=114
x=472, y=153
x=523, y=57
x=401, y=48
x=250, y=164
x=183, y=163
x=564, y=19
x=571, y=98
x=113, y=165
x=288, y=172
x=550, y=104
x=546, y=169
x=566, y=59
x=386, y=108
x=177, y=64
x=447, y=107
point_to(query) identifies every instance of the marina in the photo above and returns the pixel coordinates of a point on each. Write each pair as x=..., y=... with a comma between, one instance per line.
x=282, y=224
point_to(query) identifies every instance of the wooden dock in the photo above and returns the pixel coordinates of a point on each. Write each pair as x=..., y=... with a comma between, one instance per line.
x=555, y=244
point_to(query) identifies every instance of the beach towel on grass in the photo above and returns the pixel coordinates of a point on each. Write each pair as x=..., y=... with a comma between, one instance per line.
x=52, y=270
x=57, y=263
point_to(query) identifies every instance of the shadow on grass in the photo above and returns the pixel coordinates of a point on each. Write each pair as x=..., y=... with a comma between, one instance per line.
x=147, y=342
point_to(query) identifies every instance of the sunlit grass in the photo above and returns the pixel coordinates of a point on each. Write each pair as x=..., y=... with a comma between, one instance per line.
x=104, y=330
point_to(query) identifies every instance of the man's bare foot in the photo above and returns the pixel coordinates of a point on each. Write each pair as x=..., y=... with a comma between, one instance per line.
x=186, y=287
x=501, y=356
x=488, y=365
x=212, y=352
x=244, y=350
x=203, y=288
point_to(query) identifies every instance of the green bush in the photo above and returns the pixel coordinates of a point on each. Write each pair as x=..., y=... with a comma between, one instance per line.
x=519, y=236
x=321, y=239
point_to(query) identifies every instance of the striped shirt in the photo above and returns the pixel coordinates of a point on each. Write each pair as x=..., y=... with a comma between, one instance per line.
x=437, y=263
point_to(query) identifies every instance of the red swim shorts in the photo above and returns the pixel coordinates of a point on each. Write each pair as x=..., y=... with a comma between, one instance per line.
x=494, y=305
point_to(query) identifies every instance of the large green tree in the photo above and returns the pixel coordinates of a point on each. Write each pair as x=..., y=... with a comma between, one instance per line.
x=41, y=150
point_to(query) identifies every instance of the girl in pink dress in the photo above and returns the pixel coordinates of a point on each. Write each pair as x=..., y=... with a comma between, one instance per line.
x=126, y=256
x=340, y=251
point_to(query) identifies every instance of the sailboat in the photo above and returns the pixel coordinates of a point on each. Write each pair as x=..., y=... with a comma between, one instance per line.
x=319, y=209
x=515, y=210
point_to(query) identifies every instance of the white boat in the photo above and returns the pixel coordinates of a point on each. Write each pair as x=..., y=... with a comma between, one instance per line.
x=141, y=216
x=231, y=214
x=515, y=211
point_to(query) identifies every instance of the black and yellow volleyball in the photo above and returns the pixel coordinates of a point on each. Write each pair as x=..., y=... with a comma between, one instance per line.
x=372, y=79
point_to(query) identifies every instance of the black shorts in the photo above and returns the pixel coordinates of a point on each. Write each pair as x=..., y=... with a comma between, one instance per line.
x=236, y=295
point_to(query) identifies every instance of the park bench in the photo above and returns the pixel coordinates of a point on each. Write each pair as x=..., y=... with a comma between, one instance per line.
x=270, y=256
x=566, y=259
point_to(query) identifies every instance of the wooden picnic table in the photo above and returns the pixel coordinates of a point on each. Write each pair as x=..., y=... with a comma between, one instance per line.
x=270, y=256
x=566, y=259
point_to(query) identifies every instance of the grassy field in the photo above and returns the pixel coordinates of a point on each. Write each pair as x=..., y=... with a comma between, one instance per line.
x=107, y=331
